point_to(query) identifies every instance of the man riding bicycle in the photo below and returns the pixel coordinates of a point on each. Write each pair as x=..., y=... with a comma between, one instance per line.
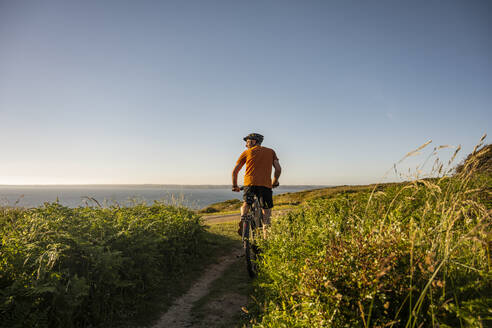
x=258, y=176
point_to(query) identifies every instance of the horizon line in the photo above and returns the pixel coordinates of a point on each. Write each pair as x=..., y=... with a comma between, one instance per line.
x=141, y=184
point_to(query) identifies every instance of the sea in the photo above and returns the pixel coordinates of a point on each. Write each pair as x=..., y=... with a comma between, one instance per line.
x=194, y=197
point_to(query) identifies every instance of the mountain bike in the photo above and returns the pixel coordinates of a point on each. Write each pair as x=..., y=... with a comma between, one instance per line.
x=249, y=225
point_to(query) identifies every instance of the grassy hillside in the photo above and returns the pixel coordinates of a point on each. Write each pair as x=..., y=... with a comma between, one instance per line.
x=301, y=197
x=293, y=198
x=413, y=255
x=482, y=160
x=228, y=205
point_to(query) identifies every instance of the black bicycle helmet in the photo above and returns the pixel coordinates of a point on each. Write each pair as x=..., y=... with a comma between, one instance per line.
x=254, y=136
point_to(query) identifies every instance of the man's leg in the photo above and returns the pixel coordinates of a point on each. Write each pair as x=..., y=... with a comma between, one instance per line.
x=244, y=211
x=267, y=205
x=267, y=213
x=248, y=197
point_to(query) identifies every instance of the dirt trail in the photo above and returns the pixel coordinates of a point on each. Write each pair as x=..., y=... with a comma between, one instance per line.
x=235, y=217
x=221, y=218
x=220, y=308
x=179, y=315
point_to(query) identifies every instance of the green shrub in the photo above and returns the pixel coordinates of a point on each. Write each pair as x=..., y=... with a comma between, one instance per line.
x=64, y=267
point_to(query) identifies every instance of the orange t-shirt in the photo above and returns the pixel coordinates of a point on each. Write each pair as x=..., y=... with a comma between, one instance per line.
x=259, y=162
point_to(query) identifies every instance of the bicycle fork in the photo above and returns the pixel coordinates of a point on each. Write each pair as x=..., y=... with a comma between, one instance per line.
x=245, y=235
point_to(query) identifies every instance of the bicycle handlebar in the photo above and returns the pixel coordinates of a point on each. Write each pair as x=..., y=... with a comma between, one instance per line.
x=275, y=186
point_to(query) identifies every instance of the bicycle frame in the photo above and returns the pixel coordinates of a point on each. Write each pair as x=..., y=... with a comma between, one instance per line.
x=252, y=219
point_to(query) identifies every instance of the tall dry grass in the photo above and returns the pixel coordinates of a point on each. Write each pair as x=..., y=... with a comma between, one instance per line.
x=412, y=255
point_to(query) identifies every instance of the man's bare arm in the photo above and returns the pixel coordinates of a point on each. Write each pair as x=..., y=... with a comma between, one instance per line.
x=235, y=172
x=276, y=174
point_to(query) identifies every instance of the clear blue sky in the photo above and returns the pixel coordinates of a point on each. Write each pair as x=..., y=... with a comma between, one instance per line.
x=164, y=91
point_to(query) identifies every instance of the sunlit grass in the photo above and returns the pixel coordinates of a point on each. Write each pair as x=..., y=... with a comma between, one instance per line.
x=410, y=255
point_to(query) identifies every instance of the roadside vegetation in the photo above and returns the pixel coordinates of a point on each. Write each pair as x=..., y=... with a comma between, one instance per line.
x=415, y=254
x=79, y=267
x=108, y=267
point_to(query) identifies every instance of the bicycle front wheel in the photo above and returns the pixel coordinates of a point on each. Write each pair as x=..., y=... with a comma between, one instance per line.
x=250, y=259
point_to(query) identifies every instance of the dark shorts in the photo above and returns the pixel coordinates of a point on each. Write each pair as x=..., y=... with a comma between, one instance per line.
x=264, y=195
